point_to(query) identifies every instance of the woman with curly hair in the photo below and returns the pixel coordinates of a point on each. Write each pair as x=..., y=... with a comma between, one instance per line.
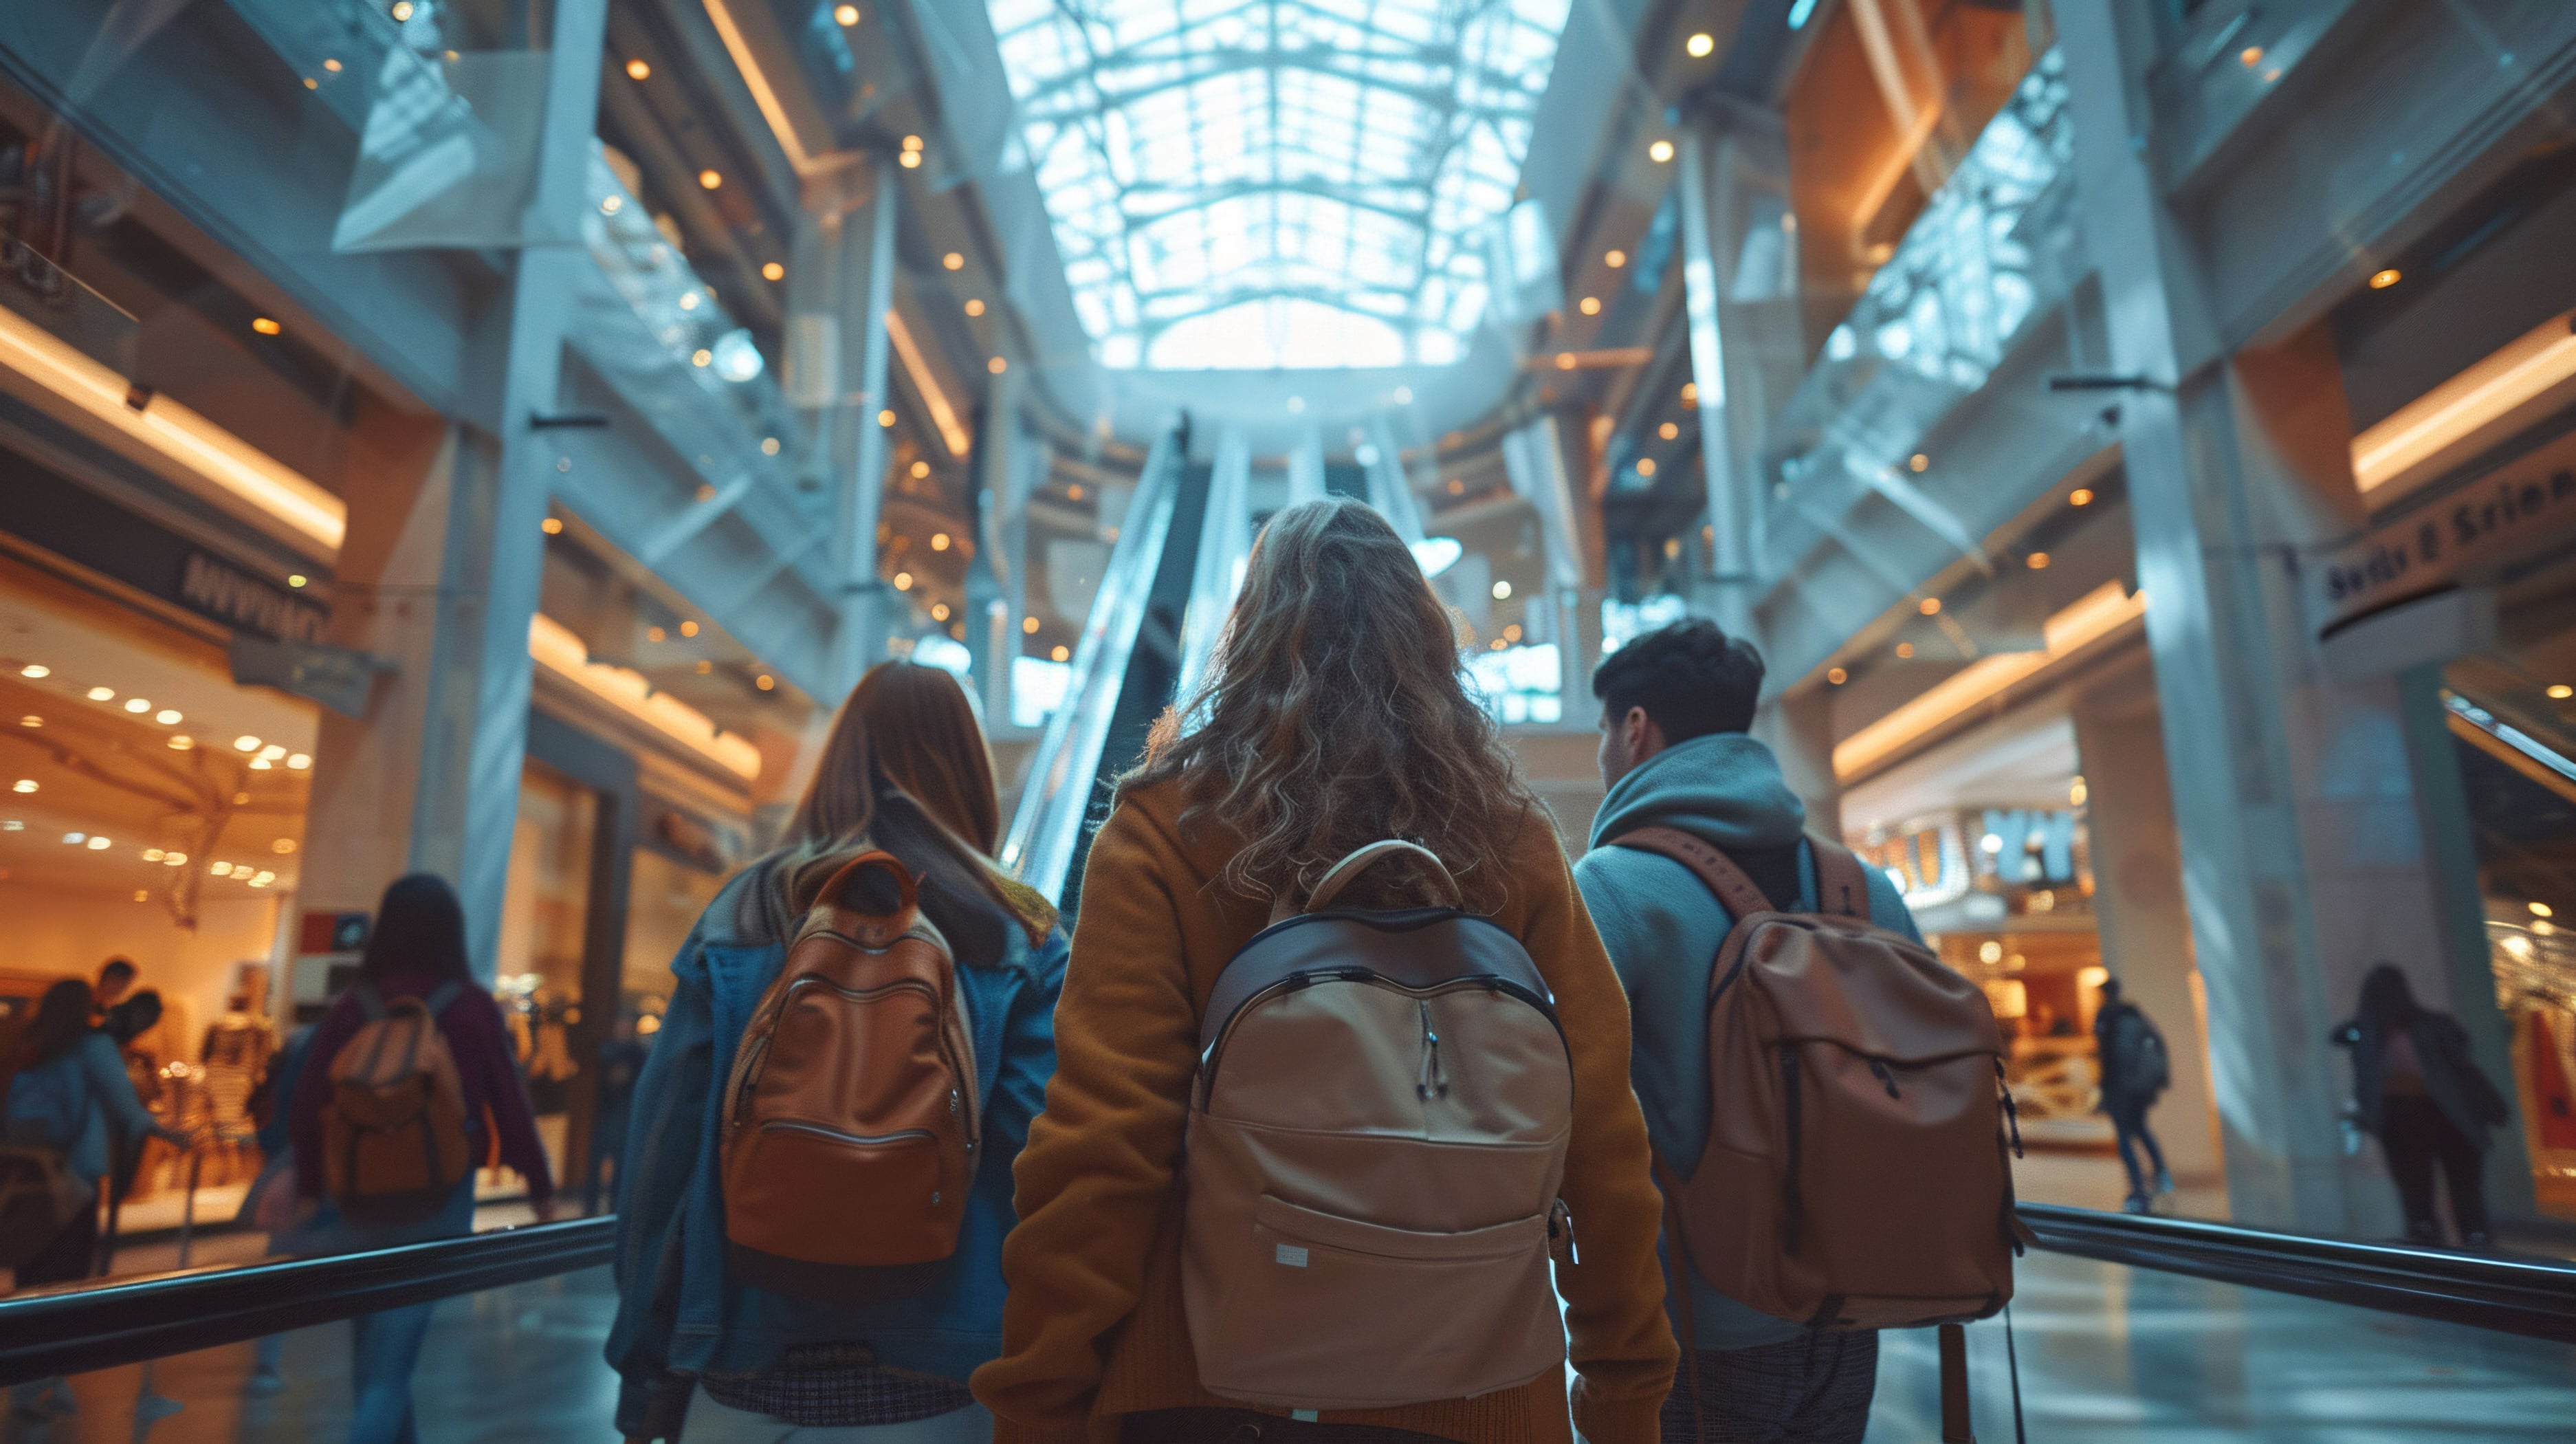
x=1336, y=715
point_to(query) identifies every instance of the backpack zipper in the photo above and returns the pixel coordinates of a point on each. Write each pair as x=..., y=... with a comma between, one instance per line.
x=750, y=1087
x=900, y=1135
x=1295, y=981
x=1433, y=1083
x=1886, y=1079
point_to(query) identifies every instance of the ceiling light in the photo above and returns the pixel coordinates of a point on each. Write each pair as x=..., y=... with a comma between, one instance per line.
x=1404, y=396
x=282, y=846
x=939, y=541
x=262, y=764
x=137, y=705
x=920, y=469
x=182, y=743
x=701, y=357
x=2542, y=910
x=1837, y=676
x=1645, y=466
x=1660, y=152
x=2382, y=280
x=273, y=751
x=167, y=717
x=1615, y=259
x=264, y=878
x=769, y=446
x=23, y=784
x=1905, y=650
x=710, y=179
x=31, y=720
x=1061, y=653
x=885, y=417
x=2495, y=396
x=611, y=205
x=2560, y=691
x=1690, y=393
x=903, y=581
x=1029, y=625
x=1589, y=305
x=1930, y=606
x=220, y=869
x=551, y=526
x=102, y=694
x=245, y=743
x=152, y=854
x=2250, y=55
x=1437, y=554
x=265, y=326
x=845, y=16
x=764, y=681
x=12, y=825
x=299, y=761
x=1564, y=360
x=773, y=271
x=35, y=671
x=297, y=580
x=1502, y=591
x=997, y=365
x=912, y=142
x=953, y=261
x=636, y=69
x=1918, y=462
x=74, y=839
x=688, y=629
x=690, y=300
x=1668, y=431
x=2039, y=561
x=939, y=611
x=98, y=844
x=1700, y=45
x=2080, y=496
x=401, y=10
x=909, y=160
x=174, y=859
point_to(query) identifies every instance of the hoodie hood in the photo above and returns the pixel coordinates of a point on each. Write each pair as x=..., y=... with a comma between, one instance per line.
x=1725, y=789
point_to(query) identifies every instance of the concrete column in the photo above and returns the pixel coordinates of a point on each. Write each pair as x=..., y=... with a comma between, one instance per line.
x=867, y=262
x=993, y=579
x=2145, y=923
x=2301, y=856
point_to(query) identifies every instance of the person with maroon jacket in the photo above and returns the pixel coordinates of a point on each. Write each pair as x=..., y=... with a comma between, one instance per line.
x=416, y=949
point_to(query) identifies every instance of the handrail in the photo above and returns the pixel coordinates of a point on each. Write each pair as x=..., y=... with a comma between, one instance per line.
x=2533, y=1297
x=75, y=1330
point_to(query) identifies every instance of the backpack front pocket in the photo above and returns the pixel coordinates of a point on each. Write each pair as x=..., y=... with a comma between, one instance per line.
x=1321, y=1311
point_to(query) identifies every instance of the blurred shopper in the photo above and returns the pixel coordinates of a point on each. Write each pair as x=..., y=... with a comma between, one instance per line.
x=2419, y=1090
x=1675, y=706
x=2130, y=1051
x=1336, y=716
x=270, y=1203
x=373, y=1047
x=716, y=1341
x=68, y=1095
x=115, y=979
x=122, y=1023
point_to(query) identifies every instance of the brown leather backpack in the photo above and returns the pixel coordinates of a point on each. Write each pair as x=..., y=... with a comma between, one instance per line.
x=1375, y=1144
x=1855, y=1175
x=851, y=1115
x=393, y=1133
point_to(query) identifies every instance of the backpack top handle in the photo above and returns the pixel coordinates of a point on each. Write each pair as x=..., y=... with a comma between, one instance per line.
x=869, y=926
x=1342, y=874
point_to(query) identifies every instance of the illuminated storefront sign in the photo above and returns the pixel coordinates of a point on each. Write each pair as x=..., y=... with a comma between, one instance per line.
x=2519, y=507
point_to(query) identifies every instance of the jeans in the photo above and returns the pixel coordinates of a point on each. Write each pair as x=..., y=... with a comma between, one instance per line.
x=384, y=1348
x=2129, y=1124
x=713, y=1423
x=1813, y=1389
x=2416, y=1135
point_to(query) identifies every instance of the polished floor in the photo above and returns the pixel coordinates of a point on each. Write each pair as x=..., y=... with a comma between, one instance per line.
x=2108, y=1356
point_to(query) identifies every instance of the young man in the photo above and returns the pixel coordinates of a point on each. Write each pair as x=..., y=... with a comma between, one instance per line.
x=2131, y=1054
x=1675, y=706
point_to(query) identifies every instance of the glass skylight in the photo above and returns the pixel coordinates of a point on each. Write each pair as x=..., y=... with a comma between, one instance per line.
x=1276, y=183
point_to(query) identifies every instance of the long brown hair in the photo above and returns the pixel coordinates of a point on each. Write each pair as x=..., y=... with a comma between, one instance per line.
x=1336, y=713
x=905, y=768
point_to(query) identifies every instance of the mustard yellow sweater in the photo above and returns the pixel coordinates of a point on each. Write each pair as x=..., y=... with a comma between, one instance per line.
x=1094, y=1327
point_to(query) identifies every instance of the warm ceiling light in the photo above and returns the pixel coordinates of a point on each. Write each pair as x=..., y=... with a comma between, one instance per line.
x=997, y=365
x=1837, y=676
x=1061, y=653
x=2560, y=692
x=31, y=720
x=2528, y=377
x=1905, y=650
x=299, y=761
x=2039, y=561
x=1701, y=45
x=282, y=846
x=23, y=785
x=1404, y=396
x=102, y=694
x=401, y=10
x=764, y=681
x=167, y=717
x=1918, y=462
x=35, y=671
x=183, y=742
x=1690, y=393
x=2080, y=496
x=1668, y=431
x=912, y=142
x=769, y=446
x=174, y=859
x=1564, y=360
x=773, y=272
x=220, y=869
x=701, y=357
x=920, y=469
x=636, y=69
x=688, y=629
x=885, y=418
x=939, y=611
x=939, y=541
x=845, y=16
x=153, y=854
x=272, y=752
x=1074, y=492
x=1589, y=305
x=1645, y=466
x=298, y=580
x=2542, y=910
x=903, y=581
x=245, y=743
x=710, y=179
x=1660, y=152
x=953, y=261
x=974, y=306
x=99, y=844
x=1029, y=626
x=1615, y=259
x=909, y=160
x=551, y=526
x=1930, y=606
x=265, y=326
x=137, y=706
x=1457, y=486
x=2382, y=280
x=1502, y=591
x=2251, y=55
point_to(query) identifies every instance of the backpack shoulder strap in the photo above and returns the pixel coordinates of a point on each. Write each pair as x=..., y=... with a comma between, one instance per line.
x=444, y=994
x=1842, y=882
x=1714, y=868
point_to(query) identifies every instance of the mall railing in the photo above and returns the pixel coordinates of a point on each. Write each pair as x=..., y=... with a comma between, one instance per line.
x=82, y=1329
x=1046, y=828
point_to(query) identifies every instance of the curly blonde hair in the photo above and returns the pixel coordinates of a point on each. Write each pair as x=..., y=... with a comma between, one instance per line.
x=1336, y=713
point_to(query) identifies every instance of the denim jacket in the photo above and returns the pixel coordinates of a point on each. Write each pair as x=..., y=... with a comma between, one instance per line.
x=680, y=1313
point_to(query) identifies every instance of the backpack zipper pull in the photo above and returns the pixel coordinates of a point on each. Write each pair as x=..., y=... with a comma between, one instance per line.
x=1433, y=1084
x=1560, y=1226
x=2012, y=1113
x=1886, y=1079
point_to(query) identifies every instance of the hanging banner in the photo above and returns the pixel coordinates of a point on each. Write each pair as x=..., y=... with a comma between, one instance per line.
x=2523, y=506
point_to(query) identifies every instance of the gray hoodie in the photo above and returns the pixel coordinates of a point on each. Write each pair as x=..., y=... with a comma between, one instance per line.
x=1663, y=928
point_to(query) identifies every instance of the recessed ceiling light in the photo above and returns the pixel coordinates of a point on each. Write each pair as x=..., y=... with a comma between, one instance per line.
x=137, y=706
x=1660, y=152
x=299, y=761
x=35, y=671
x=2080, y=496
x=688, y=629
x=845, y=16
x=182, y=742
x=98, y=844
x=174, y=859
x=31, y=720
x=636, y=69
x=974, y=306
x=245, y=743
x=2560, y=691
x=1700, y=45
x=220, y=869
x=953, y=261
x=710, y=179
x=23, y=784
x=102, y=694
x=773, y=271
x=168, y=717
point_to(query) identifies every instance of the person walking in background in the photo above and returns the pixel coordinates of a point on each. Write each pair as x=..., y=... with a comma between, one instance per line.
x=2135, y=1071
x=712, y=1356
x=270, y=1203
x=115, y=979
x=1336, y=718
x=67, y=1091
x=2420, y=1092
x=1675, y=706
x=414, y=972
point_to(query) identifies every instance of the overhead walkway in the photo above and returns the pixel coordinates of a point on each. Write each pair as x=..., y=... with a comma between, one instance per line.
x=2125, y=1329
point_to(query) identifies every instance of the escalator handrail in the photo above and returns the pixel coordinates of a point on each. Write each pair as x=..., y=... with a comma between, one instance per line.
x=2529, y=1296
x=78, y=1329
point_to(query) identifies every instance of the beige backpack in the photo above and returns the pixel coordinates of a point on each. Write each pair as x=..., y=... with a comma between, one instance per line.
x=393, y=1134
x=1376, y=1140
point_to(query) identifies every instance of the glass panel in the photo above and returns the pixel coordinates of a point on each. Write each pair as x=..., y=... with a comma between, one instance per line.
x=544, y=940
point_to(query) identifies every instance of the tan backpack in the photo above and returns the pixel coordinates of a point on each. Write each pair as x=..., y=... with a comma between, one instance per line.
x=1855, y=1176
x=393, y=1133
x=1376, y=1140
x=850, y=1115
